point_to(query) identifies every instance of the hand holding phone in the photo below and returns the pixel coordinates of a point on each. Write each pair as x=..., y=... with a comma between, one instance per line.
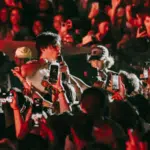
x=121, y=92
x=54, y=70
x=141, y=32
x=142, y=28
x=115, y=82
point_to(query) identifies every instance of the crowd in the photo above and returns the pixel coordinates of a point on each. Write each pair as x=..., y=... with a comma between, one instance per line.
x=44, y=105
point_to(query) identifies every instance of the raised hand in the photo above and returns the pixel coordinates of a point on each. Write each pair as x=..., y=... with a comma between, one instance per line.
x=120, y=95
x=128, y=8
x=94, y=10
x=17, y=72
x=117, y=94
x=140, y=34
x=86, y=39
x=115, y=3
x=134, y=143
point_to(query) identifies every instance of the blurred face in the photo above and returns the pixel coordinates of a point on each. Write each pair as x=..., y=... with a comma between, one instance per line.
x=20, y=61
x=98, y=64
x=43, y=4
x=147, y=23
x=120, y=12
x=57, y=21
x=60, y=9
x=103, y=28
x=3, y=15
x=68, y=39
x=37, y=27
x=50, y=53
x=15, y=17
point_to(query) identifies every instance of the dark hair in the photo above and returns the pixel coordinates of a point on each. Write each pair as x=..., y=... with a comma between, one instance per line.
x=32, y=142
x=131, y=82
x=142, y=105
x=102, y=17
x=97, y=146
x=45, y=39
x=98, y=102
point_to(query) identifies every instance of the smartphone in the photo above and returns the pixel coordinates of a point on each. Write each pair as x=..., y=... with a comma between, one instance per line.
x=145, y=73
x=59, y=59
x=53, y=76
x=37, y=107
x=37, y=110
x=142, y=28
x=115, y=82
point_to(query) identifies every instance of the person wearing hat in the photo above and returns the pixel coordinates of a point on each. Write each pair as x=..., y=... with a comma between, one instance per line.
x=100, y=59
x=22, y=56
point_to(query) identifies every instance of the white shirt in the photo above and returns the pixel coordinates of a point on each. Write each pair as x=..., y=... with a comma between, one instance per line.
x=37, y=78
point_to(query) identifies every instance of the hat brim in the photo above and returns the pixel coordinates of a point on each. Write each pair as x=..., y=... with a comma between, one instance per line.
x=94, y=58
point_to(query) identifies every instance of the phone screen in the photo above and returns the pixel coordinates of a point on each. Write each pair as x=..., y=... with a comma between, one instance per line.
x=115, y=82
x=145, y=73
x=53, y=73
x=37, y=106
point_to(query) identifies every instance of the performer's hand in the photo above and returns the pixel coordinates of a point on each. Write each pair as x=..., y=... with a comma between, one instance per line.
x=64, y=69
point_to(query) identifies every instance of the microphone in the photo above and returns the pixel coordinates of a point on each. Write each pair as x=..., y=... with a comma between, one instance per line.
x=61, y=62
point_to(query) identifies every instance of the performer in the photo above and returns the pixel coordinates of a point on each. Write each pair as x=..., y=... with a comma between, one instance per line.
x=48, y=46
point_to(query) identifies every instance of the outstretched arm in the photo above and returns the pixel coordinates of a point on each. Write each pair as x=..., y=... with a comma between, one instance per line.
x=20, y=125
